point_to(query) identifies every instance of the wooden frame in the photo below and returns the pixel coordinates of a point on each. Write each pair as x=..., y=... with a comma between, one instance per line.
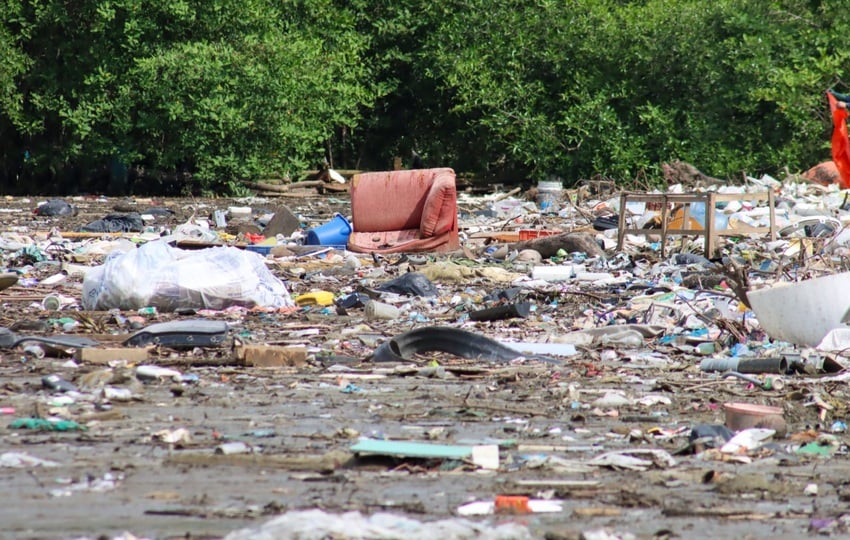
x=709, y=199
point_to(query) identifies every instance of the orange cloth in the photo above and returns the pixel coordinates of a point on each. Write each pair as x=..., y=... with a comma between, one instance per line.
x=840, y=142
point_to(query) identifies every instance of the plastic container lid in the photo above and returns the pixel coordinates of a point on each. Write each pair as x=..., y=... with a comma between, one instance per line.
x=550, y=186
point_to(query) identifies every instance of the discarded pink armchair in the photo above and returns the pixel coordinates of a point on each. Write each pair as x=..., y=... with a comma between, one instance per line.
x=410, y=211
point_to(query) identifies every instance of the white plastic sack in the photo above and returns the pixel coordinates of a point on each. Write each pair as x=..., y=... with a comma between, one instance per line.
x=168, y=278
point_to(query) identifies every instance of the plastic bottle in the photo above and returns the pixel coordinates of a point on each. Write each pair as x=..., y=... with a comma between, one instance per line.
x=777, y=364
x=34, y=351
x=51, y=303
x=380, y=310
x=697, y=211
x=627, y=339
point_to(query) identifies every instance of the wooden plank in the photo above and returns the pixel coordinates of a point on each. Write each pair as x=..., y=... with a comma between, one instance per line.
x=504, y=236
x=271, y=356
x=485, y=456
x=75, y=234
x=96, y=355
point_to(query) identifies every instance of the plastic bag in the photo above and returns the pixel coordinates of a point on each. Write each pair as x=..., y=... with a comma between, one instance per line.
x=115, y=223
x=168, y=278
x=411, y=284
x=55, y=207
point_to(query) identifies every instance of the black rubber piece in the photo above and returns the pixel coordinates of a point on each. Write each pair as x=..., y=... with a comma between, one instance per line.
x=507, y=311
x=402, y=347
x=10, y=340
x=181, y=334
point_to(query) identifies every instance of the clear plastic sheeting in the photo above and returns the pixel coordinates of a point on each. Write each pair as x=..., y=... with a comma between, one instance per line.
x=158, y=275
x=317, y=525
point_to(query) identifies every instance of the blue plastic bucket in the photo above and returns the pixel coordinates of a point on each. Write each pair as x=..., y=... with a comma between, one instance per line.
x=333, y=233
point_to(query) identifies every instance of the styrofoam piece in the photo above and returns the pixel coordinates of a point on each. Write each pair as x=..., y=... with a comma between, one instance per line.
x=593, y=276
x=803, y=313
x=552, y=273
x=527, y=347
x=842, y=238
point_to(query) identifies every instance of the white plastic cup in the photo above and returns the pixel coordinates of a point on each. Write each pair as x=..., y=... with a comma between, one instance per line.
x=220, y=217
x=51, y=303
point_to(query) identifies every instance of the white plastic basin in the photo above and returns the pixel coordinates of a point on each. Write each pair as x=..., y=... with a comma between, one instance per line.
x=804, y=312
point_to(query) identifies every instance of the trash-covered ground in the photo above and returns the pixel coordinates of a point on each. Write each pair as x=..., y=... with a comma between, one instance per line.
x=568, y=391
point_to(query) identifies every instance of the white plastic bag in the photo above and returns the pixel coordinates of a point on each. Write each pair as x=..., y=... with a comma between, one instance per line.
x=168, y=278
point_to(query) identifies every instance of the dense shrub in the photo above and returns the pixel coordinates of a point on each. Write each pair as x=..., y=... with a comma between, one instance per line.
x=215, y=92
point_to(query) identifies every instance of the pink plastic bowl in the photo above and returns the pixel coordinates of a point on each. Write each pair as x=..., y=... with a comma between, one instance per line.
x=741, y=416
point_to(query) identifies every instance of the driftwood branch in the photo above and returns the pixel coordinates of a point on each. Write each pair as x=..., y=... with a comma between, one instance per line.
x=548, y=246
x=679, y=172
x=736, y=278
x=284, y=188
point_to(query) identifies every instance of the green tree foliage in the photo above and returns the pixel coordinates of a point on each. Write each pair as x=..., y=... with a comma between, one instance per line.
x=225, y=89
x=228, y=90
x=12, y=64
x=585, y=87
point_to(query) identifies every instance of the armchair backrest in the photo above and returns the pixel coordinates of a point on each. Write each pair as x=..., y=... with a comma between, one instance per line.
x=396, y=200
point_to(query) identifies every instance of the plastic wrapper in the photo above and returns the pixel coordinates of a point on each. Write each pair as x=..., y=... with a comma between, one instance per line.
x=167, y=278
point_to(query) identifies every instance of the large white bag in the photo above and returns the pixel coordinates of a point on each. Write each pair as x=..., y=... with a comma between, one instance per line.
x=168, y=278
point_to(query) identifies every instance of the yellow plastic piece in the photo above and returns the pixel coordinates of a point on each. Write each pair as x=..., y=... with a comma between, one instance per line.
x=316, y=298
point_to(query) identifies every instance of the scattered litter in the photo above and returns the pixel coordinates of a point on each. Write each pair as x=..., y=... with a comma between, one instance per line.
x=108, y=482
x=498, y=355
x=19, y=460
x=627, y=459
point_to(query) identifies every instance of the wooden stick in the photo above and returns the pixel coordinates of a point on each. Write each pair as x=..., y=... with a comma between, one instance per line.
x=75, y=234
x=507, y=194
x=569, y=242
x=285, y=187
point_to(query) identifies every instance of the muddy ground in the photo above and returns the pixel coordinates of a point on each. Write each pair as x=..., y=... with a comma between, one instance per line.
x=119, y=475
